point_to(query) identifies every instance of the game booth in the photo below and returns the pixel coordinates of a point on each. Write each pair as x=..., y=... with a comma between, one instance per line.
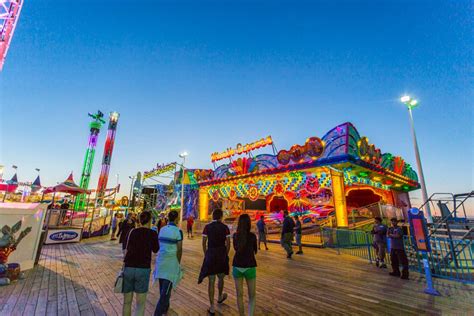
x=338, y=180
x=64, y=225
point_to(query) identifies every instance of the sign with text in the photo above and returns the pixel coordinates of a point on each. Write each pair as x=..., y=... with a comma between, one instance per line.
x=159, y=169
x=242, y=149
x=63, y=235
x=419, y=230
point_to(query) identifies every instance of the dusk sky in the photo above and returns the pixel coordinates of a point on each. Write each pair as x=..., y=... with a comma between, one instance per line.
x=202, y=76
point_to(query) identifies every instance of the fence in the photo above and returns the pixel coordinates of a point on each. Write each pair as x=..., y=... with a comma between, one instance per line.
x=449, y=259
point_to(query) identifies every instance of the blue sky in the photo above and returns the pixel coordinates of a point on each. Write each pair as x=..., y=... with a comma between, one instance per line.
x=203, y=76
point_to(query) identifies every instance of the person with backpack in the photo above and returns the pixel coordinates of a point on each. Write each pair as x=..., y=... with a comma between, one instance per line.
x=244, y=265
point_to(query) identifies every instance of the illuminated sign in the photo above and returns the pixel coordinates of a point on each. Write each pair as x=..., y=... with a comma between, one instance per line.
x=313, y=148
x=419, y=230
x=242, y=149
x=368, y=152
x=160, y=169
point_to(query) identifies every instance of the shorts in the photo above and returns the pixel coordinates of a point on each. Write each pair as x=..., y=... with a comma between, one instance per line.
x=298, y=239
x=136, y=280
x=246, y=273
x=190, y=229
x=262, y=236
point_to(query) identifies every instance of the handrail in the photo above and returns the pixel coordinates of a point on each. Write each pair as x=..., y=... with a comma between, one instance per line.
x=445, y=219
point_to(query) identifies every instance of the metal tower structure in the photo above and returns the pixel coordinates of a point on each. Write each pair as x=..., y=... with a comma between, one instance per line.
x=107, y=158
x=95, y=126
x=9, y=14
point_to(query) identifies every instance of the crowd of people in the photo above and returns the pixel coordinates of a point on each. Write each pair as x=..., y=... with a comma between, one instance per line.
x=140, y=237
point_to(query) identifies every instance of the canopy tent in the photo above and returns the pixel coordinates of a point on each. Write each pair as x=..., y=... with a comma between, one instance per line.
x=10, y=185
x=68, y=186
x=36, y=184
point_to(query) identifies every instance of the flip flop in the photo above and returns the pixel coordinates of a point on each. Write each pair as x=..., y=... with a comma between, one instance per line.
x=224, y=297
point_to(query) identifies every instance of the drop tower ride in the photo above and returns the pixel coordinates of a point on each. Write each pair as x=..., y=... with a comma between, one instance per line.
x=95, y=127
x=107, y=158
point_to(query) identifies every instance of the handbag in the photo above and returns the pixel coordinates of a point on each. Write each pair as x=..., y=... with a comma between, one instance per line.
x=118, y=286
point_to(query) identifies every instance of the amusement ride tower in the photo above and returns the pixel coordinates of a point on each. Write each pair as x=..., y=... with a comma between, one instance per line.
x=95, y=126
x=9, y=14
x=107, y=158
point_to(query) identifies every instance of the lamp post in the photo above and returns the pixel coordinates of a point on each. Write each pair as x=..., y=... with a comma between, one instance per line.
x=132, y=179
x=412, y=103
x=183, y=156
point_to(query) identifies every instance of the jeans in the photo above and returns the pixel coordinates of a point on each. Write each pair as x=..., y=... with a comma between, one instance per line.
x=399, y=257
x=165, y=294
x=286, y=240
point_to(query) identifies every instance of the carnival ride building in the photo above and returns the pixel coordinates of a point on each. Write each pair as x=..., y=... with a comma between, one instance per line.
x=329, y=176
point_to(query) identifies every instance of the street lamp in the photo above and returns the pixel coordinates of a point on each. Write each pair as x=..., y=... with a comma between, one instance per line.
x=412, y=103
x=183, y=156
x=132, y=178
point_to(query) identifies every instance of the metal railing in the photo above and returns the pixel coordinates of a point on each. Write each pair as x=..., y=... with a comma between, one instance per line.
x=359, y=244
x=445, y=261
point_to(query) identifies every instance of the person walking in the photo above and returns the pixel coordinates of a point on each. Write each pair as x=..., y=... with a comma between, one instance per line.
x=216, y=246
x=298, y=232
x=287, y=234
x=114, y=226
x=167, y=266
x=125, y=227
x=189, y=226
x=262, y=232
x=244, y=265
x=397, y=251
x=141, y=242
x=379, y=231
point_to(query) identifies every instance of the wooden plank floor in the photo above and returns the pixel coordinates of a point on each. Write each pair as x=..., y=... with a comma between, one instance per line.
x=77, y=279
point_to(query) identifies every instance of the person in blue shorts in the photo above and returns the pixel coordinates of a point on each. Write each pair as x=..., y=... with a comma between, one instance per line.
x=140, y=243
x=244, y=265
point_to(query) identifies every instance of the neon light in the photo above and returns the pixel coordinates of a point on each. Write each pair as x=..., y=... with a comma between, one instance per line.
x=95, y=127
x=242, y=149
x=107, y=157
x=160, y=169
x=9, y=15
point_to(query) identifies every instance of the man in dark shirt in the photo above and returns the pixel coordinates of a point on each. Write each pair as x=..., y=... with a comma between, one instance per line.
x=287, y=234
x=136, y=274
x=397, y=251
x=216, y=246
x=298, y=233
x=380, y=241
x=262, y=232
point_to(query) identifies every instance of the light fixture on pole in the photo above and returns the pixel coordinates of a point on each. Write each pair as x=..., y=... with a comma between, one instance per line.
x=412, y=103
x=132, y=178
x=183, y=156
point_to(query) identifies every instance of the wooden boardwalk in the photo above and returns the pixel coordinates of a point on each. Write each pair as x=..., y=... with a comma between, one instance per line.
x=77, y=279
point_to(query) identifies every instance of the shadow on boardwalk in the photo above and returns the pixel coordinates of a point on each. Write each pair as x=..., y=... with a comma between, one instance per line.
x=77, y=279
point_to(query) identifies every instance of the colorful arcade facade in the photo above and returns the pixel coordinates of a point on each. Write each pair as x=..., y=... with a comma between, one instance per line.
x=332, y=175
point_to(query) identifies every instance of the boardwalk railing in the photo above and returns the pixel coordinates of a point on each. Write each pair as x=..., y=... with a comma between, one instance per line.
x=448, y=259
x=352, y=242
x=445, y=262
